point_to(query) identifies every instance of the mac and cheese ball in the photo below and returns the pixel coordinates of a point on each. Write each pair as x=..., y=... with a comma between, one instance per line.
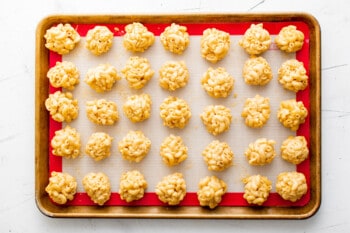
x=102, y=77
x=257, y=71
x=102, y=112
x=260, y=152
x=175, y=38
x=255, y=40
x=290, y=39
x=66, y=143
x=218, y=156
x=294, y=149
x=175, y=112
x=64, y=74
x=61, y=38
x=99, y=146
x=137, y=37
x=137, y=108
x=173, y=75
x=214, y=44
x=292, y=113
x=216, y=118
x=218, y=83
x=61, y=188
x=97, y=187
x=291, y=186
x=137, y=72
x=210, y=192
x=171, y=189
x=62, y=106
x=292, y=75
x=132, y=186
x=99, y=40
x=257, y=189
x=173, y=150
x=134, y=146
x=256, y=111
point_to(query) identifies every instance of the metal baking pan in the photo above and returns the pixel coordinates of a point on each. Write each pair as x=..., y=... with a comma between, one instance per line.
x=153, y=209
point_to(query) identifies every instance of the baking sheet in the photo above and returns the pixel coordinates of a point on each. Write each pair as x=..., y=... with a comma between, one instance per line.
x=194, y=135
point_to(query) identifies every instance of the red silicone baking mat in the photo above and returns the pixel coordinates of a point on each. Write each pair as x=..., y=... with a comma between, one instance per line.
x=232, y=198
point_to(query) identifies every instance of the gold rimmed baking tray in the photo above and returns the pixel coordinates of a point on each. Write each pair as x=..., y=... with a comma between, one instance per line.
x=42, y=118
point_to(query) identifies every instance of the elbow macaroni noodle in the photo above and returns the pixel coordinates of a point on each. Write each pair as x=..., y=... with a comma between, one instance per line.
x=292, y=75
x=218, y=156
x=256, y=111
x=255, y=40
x=102, y=77
x=99, y=40
x=257, y=71
x=171, y=189
x=291, y=186
x=102, y=112
x=64, y=74
x=99, y=146
x=175, y=38
x=261, y=152
x=137, y=72
x=61, y=188
x=218, y=83
x=98, y=187
x=132, y=186
x=173, y=150
x=66, y=143
x=137, y=37
x=294, y=149
x=292, y=113
x=210, y=191
x=62, y=106
x=175, y=112
x=257, y=189
x=173, y=75
x=214, y=44
x=217, y=119
x=61, y=38
x=137, y=108
x=134, y=146
x=290, y=39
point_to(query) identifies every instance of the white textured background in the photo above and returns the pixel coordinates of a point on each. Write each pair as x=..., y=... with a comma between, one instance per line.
x=18, y=20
